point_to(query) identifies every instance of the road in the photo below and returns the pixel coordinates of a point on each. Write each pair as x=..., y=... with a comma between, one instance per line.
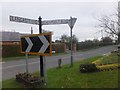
x=10, y=69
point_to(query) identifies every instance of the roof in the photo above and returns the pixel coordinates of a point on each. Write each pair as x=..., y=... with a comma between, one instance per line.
x=9, y=36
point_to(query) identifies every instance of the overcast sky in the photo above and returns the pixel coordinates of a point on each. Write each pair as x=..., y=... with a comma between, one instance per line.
x=85, y=12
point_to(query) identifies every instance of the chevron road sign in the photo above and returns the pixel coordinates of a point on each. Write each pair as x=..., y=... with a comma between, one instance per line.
x=37, y=44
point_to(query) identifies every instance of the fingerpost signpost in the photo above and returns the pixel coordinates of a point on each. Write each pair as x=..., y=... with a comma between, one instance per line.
x=41, y=43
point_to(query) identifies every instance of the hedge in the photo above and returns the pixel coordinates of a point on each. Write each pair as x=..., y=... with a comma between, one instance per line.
x=91, y=44
x=11, y=50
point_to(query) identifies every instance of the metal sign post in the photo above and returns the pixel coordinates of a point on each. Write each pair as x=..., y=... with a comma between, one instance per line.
x=71, y=41
x=41, y=57
x=71, y=24
x=26, y=56
x=45, y=74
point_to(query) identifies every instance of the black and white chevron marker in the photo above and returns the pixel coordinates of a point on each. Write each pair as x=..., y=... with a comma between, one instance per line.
x=36, y=44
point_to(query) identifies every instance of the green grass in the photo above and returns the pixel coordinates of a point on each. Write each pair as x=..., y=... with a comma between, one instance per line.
x=74, y=79
x=70, y=77
x=11, y=83
x=112, y=58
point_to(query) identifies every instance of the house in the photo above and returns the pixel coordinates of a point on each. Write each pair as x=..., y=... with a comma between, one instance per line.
x=9, y=37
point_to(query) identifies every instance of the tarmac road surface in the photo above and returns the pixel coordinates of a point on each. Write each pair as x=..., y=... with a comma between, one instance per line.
x=11, y=68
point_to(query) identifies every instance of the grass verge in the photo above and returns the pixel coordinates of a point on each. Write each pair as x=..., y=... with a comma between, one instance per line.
x=67, y=77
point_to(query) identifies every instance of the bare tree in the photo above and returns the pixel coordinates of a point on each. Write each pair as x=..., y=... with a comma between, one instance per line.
x=111, y=24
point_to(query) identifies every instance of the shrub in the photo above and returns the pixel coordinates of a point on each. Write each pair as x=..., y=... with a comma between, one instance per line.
x=84, y=68
x=108, y=67
x=28, y=79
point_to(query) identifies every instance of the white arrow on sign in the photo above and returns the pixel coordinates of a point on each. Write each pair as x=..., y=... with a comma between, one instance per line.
x=30, y=44
x=45, y=44
x=42, y=49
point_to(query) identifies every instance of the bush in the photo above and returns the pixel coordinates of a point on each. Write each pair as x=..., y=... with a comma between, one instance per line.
x=108, y=67
x=84, y=68
x=28, y=79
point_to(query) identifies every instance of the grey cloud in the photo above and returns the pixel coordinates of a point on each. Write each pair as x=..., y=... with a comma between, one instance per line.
x=84, y=12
